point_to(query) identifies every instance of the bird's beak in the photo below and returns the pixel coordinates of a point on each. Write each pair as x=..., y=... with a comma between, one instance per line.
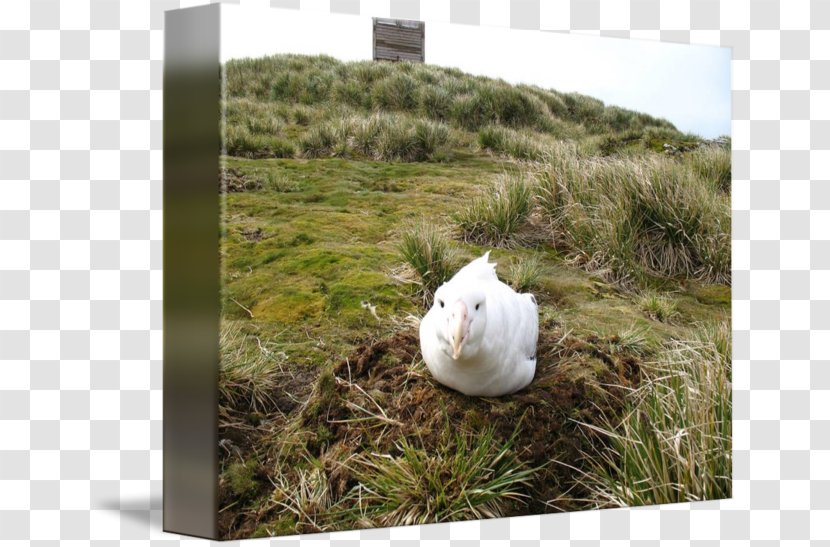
x=458, y=328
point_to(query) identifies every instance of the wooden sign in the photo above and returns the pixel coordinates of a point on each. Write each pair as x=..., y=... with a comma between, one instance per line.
x=398, y=40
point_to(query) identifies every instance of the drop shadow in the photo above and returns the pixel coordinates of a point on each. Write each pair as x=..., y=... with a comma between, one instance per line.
x=137, y=511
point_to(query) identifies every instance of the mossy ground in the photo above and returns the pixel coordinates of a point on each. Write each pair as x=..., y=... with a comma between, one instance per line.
x=299, y=268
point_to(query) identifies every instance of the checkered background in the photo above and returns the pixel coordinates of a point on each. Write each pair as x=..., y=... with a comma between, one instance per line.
x=80, y=267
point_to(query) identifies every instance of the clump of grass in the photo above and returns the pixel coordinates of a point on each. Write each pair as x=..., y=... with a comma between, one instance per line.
x=434, y=102
x=248, y=372
x=396, y=92
x=713, y=163
x=430, y=137
x=386, y=137
x=659, y=308
x=240, y=141
x=496, y=216
x=674, y=443
x=329, y=139
x=430, y=254
x=630, y=341
x=467, y=477
x=525, y=273
x=306, y=496
x=278, y=182
x=634, y=218
x=518, y=144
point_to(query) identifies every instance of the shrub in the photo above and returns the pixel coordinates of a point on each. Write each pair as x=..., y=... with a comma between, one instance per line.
x=495, y=216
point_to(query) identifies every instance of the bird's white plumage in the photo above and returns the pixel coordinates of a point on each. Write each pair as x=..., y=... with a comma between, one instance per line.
x=479, y=337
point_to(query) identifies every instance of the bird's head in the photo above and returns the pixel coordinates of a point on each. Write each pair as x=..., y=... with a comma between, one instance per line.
x=462, y=313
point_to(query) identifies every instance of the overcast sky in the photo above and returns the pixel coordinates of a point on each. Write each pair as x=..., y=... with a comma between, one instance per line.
x=688, y=85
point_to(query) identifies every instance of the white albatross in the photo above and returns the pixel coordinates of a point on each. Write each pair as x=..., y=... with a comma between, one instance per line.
x=480, y=335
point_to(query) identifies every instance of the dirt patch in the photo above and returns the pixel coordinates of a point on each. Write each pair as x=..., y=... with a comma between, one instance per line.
x=253, y=234
x=233, y=180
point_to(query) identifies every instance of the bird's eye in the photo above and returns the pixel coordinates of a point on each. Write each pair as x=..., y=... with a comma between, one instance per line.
x=441, y=303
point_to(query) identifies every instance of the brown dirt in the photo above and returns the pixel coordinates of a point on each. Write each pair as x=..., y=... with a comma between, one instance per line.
x=234, y=180
x=253, y=234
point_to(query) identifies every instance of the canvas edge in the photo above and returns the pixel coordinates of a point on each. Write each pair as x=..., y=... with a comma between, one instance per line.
x=191, y=270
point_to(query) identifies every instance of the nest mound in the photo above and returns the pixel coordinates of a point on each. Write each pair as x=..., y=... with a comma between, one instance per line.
x=385, y=387
x=382, y=393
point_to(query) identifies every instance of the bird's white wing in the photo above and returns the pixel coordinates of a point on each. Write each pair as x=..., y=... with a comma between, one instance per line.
x=515, y=318
x=529, y=335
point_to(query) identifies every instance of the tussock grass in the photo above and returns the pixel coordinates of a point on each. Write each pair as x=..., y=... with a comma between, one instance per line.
x=329, y=139
x=240, y=141
x=518, y=144
x=674, y=443
x=631, y=341
x=467, y=477
x=635, y=218
x=430, y=254
x=524, y=274
x=396, y=92
x=305, y=495
x=278, y=91
x=659, y=308
x=277, y=182
x=497, y=214
x=385, y=137
x=713, y=163
x=248, y=375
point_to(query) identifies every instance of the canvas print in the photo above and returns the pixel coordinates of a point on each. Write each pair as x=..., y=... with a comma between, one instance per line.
x=465, y=283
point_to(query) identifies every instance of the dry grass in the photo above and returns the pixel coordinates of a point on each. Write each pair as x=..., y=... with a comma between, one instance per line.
x=468, y=477
x=249, y=372
x=674, y=443
x=638, y=217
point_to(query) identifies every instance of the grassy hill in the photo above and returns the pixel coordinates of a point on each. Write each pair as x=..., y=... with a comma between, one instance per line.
x=353, y=190
x=288, y=105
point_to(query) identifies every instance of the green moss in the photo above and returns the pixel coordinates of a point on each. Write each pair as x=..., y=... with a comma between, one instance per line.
x=712, y=295
x=326, y=385
x=283, y=526
x=240, y=478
